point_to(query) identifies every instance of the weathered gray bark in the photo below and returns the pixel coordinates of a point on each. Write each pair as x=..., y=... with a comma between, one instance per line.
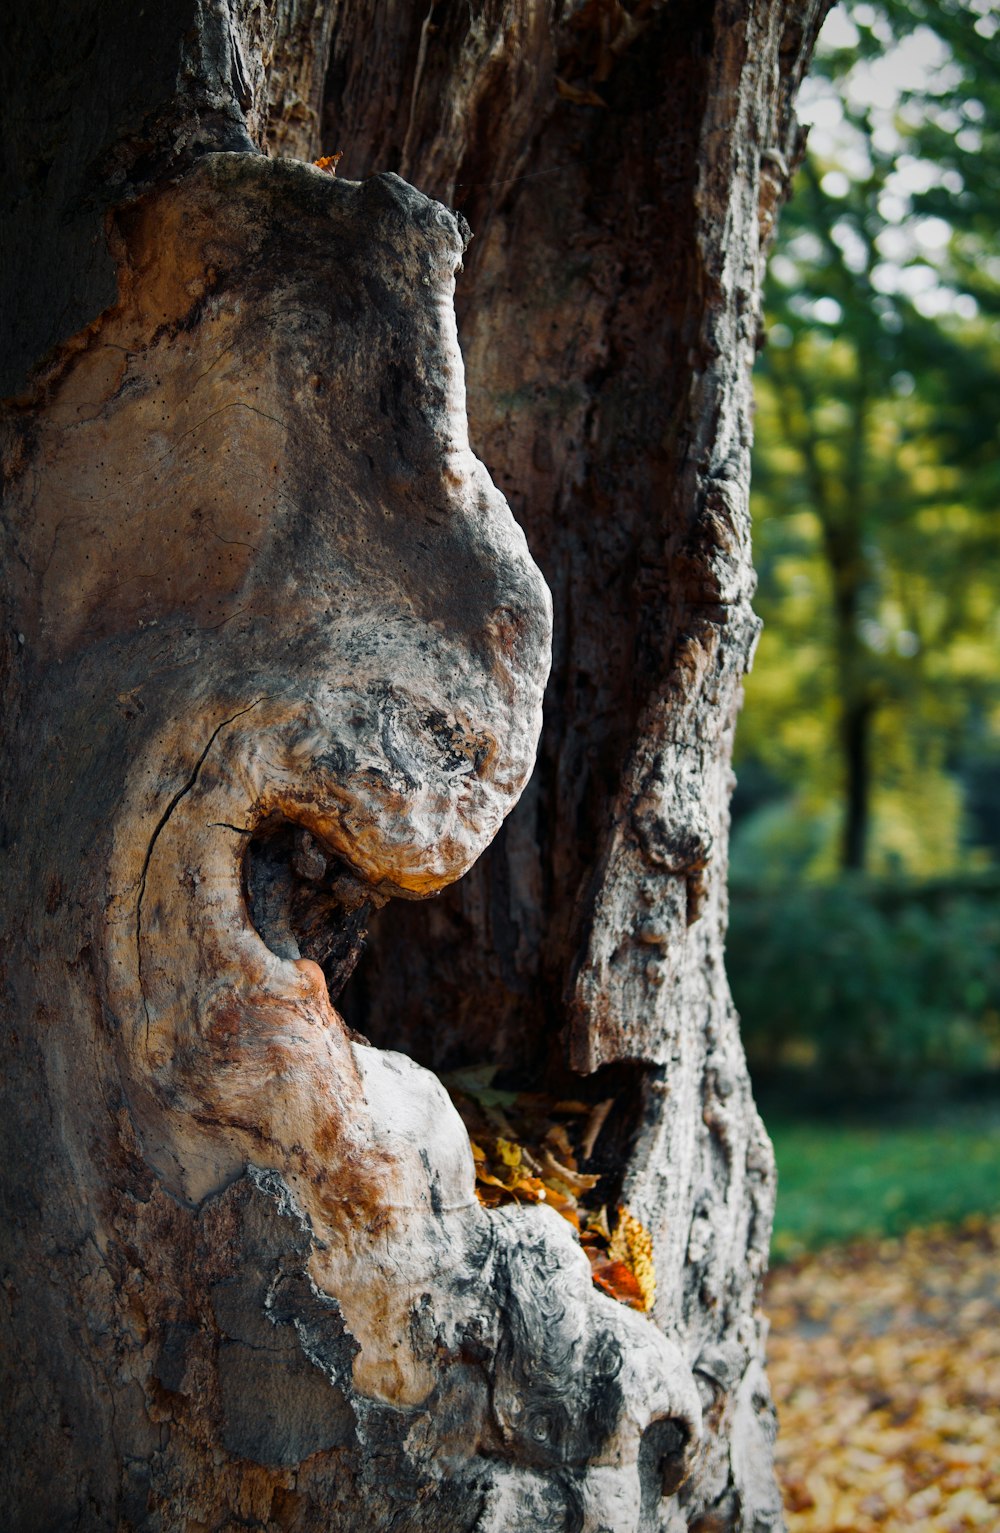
x=273, y=654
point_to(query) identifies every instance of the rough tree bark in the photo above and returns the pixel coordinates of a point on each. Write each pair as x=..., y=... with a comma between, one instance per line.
x=273, y=658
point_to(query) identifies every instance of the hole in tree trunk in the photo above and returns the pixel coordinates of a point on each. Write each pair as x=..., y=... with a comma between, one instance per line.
x=305, y=903
x=662, y=1466
x=469, y=1046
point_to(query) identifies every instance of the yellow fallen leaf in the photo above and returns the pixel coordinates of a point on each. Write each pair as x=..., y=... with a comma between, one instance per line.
x=509, y=1154
x=632, y=1244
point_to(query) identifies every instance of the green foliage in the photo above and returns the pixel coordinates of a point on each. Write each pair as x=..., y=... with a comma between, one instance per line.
x=877, y=470
x=841, y=1181
x=863, y=989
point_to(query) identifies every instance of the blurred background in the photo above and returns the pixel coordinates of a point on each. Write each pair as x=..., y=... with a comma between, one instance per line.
x=865, y=925
x=865, y=920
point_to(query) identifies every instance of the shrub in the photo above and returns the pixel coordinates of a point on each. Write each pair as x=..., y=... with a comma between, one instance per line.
x=868, y=988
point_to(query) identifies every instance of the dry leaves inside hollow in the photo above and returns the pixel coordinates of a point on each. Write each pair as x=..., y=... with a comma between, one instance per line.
x=527, y=1149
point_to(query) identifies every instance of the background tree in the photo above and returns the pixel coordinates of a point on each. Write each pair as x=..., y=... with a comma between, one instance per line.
x=301, y=674
x=876, y=477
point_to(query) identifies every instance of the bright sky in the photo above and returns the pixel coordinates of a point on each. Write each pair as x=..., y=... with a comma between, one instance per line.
x=912, y=249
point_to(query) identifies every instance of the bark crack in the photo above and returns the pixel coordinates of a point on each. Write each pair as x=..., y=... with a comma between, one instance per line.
x=235, y=542
x=164, y=817
x=418, y=75
x=234, y=404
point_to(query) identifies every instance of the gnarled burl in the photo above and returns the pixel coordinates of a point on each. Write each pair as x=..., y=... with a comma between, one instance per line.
x=276, y=651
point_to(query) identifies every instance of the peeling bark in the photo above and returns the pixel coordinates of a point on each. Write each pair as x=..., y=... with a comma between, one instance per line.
x=274, y=653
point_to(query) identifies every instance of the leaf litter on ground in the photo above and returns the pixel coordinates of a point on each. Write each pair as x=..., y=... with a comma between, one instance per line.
x=532, y=1148
x=884, y=1359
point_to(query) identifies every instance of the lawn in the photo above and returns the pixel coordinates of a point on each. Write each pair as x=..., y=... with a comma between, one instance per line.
x=842, y=1179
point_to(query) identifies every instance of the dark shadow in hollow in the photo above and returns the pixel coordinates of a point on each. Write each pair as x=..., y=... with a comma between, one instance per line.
x=305, y=903
x=539, y=1075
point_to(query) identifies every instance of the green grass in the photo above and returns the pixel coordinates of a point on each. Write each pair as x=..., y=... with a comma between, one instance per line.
x=841, y=1180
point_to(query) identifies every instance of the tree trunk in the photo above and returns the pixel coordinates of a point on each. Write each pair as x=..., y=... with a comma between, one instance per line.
x=273, y=658
x=838, y=499
x=855, y=729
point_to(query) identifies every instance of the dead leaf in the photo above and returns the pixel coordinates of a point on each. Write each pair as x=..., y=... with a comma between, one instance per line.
x=579, y=95
x=632, y=1244
x=618, y=1280
x=884, y=1360
x=572, y=1181
x=522, y=1156
x=558, y=1141
x=595, y=1122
